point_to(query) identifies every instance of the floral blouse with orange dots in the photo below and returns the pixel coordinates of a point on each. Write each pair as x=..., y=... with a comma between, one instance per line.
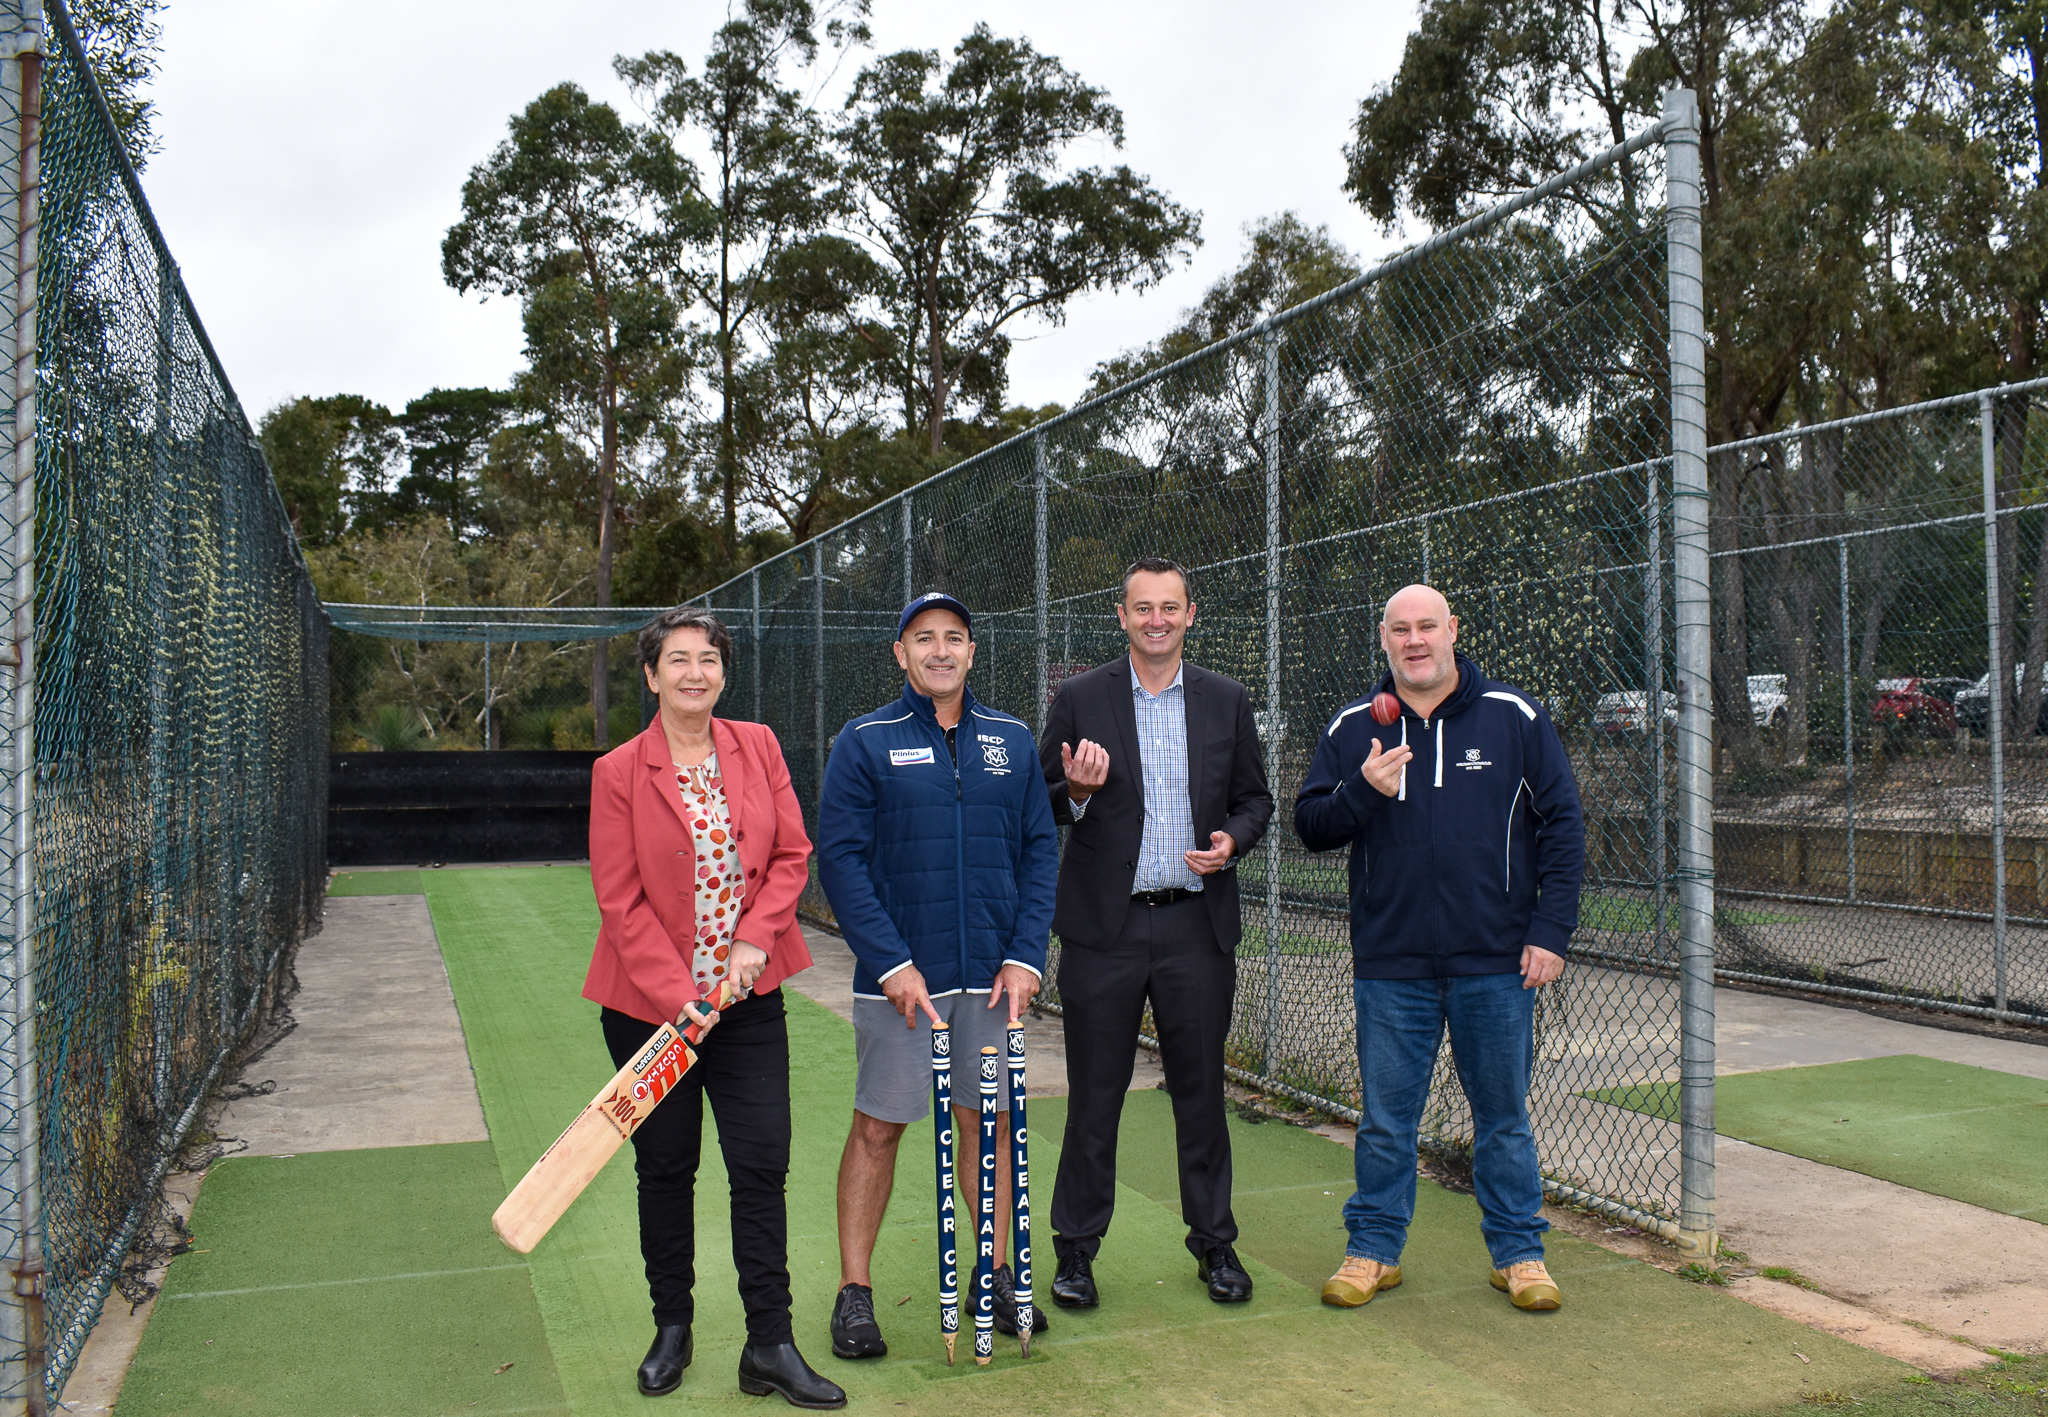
x=721, y=885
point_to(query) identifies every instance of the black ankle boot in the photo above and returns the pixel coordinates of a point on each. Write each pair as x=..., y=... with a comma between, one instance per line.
x=778, y=1367
x=661, y=1371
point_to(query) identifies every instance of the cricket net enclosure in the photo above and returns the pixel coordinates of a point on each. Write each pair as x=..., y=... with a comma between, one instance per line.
x=1511, y=411
x=162, y=711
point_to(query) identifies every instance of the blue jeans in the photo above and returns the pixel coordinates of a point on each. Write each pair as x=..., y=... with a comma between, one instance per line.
x=1401, y=1022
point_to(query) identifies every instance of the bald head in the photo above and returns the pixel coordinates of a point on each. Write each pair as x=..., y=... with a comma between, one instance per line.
x=1418, y=632
x=1412, y=600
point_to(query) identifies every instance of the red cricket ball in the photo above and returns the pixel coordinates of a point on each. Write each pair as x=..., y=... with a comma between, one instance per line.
x=1386, y=709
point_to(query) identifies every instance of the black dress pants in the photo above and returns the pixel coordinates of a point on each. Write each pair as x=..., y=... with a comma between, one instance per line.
x=1166, y=954
x=743, y=1065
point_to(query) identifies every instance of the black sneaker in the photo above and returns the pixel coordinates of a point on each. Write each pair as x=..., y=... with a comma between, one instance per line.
x=1006, y=1305
x=855, y=1334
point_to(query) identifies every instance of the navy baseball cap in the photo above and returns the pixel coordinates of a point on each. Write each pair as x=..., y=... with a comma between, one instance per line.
x=933, y=600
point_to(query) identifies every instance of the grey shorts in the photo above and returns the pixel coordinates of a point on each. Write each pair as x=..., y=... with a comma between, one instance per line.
x=893, y=1080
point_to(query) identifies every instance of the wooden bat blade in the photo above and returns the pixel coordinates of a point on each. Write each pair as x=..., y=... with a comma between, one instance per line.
x=579, y=1153
x=555, y=1180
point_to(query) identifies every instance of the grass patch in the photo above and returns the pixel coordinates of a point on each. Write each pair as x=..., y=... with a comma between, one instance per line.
x=1788, y=1276
x=1971, y=1134
x=2015, y=1387
x=1632, y=915
x=1295, y=942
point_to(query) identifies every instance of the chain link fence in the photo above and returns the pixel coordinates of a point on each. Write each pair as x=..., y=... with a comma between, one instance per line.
x=1881, y=826
x=165, y=706
x=1488, y=413
x=410, y=678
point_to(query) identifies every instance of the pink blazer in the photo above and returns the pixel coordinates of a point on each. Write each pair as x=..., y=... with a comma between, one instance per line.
x=643, y=866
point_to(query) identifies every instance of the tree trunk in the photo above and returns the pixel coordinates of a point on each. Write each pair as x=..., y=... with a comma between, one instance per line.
x=935, y=372
x=607, y=491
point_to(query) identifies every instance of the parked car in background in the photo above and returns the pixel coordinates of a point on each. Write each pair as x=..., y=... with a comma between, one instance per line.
x=1767, y=699
x=1917, y=705
x=1973, y=704
x=1628, y=711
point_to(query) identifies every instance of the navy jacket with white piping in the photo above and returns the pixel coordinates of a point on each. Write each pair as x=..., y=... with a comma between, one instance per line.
x=951, y=868
x=1481, y=852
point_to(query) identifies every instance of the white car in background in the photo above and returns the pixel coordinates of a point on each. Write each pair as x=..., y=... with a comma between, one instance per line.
x=1626, y=710
x=1767, y=700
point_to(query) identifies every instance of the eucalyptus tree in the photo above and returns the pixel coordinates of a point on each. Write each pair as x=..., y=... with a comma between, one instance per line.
x=576, y=214
x=953, y=169
x=1828, y=149
x=768, y=179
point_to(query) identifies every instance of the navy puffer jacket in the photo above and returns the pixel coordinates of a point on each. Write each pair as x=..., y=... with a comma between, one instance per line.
x=952, y=868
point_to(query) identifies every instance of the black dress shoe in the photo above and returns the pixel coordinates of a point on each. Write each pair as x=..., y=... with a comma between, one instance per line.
x=661, y=1371
x=1006, y=1305
x=1227, y=1281
x=855, y=1334
x=778, y=1367
x=1074, y=1286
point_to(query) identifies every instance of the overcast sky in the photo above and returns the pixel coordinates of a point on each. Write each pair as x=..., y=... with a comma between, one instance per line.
x=314, y=153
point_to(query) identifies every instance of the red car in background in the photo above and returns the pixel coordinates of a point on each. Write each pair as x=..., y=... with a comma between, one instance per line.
x=1926, y=706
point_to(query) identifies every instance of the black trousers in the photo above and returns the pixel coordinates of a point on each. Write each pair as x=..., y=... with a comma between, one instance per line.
x=743, y=1065
x=1166, y=954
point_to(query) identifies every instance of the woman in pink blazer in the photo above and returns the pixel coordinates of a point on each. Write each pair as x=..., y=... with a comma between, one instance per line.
x=698, y=854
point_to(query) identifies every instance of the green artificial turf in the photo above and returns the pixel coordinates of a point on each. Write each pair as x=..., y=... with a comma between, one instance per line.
x=1970, y=1134
x=1630, y=1338
x=1946, y=1129
x=350, y=1284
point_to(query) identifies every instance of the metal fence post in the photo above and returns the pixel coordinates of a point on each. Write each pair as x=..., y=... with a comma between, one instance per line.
x=818, y=665
x=1848, y=724
x=1696, y=1232
x=1041, y=591
x=909, y=553
x=1653, y=697
x=1275, y=719
x=24, y=1337
x=754, y=578
x=1996, y=690
x=487, y=690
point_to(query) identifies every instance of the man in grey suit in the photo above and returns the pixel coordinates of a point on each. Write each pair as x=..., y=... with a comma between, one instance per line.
x=1155, y=765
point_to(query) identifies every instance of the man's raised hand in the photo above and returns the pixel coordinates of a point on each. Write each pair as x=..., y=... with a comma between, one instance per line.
x=1087, y=768
x=1383, y=769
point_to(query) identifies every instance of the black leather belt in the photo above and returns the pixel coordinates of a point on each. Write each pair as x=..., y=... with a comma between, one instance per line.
x=1165, y=897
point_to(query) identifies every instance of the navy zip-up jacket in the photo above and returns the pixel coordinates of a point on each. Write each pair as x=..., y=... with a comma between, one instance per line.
x=1481, y=853
x=951, y=868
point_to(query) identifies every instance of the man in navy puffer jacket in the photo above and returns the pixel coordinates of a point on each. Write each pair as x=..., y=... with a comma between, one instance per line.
x=937, y=850
x=1467, y=849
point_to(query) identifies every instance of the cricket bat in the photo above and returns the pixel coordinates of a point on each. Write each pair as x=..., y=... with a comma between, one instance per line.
x=579, y=1153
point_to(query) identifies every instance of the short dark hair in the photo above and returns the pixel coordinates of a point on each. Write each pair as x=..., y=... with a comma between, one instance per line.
x=684, y=617
x=1158, y=566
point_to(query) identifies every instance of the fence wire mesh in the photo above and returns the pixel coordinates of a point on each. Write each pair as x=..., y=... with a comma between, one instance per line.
x=1488, y=414
x=407, y=678
x=167, y=827
x=1882, y=816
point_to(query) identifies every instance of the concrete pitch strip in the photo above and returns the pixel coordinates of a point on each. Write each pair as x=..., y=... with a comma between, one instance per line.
x=378, y=1060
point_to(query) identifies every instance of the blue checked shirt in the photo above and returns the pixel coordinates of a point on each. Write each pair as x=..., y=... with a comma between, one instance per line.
x=1163, y=761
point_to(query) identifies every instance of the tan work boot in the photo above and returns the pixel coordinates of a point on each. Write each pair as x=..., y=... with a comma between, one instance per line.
x=1357, y=1280
x=1528, y=1285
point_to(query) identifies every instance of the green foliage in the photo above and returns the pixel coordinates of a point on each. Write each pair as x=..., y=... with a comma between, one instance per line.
x=955, y=172
x=124, y=44
x=391, y=728
x=770, y=182
x=331, y=457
